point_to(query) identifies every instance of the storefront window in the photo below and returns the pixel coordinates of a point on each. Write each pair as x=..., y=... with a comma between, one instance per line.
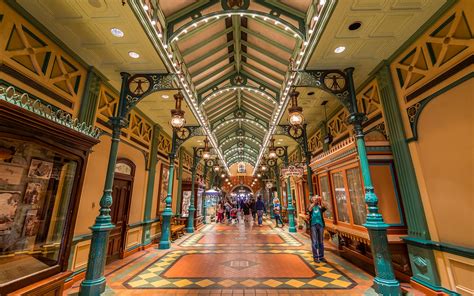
x=356, y=193
x=35, y=191
x=341, y=198
x=326, y=196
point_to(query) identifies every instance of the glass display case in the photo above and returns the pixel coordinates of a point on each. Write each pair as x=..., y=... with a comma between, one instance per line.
x=326, y=196
x=41, y=169
x=356, y=194
x=341, y=197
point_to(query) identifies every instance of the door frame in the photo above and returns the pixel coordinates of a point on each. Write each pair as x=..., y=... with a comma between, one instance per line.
x=126, y=177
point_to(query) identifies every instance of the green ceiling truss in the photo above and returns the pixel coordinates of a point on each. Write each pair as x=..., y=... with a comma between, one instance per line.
x=235, y=87
x=230, y=93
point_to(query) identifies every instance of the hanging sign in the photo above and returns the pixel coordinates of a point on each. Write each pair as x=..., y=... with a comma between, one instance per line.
x=292, y=171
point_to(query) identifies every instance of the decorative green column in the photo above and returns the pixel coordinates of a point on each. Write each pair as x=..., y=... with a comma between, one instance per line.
x=422, y=260
x=150, y=186
x=291, y=209
x=204, y=204
x=307, y=154
x=94, y=282
x=385, y=281
x=165, y=242
x=179, y=177
x=192, y=208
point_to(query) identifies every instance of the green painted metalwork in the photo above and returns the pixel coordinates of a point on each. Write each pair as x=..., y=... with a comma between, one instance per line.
x=263, y=73
x=204, y=204
x=258, y=16
x=165, y=242
x=200, y=44
x=279, y=8
x=9, y=94
x=209, y=54
x=267, y=39
x=263, y=63
x=307, y=155
x=150, y=185
x=217, y=82
x=291, y=208
x=192, y=208
x=385, y=281
x=236, y=41
x=94, y=282
x=179, y=177
x=211, y=75
x=266, y=53
x=235, y=87
x=260, y=81
x=410, y=194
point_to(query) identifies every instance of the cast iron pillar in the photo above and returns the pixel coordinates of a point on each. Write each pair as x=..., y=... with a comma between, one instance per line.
x=94, y=282
x=192, y=208
x=150, y=185
x=309, y=172
x=291, y=209
x=278, y=185
x=385, y=281
x=165, y=242
x=204, y=204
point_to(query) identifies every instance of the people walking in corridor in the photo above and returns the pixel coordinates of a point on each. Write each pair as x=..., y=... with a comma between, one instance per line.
x=253, y=208
x=260, y=207
x=246, y=211
x=316, y=210
x=276, y=211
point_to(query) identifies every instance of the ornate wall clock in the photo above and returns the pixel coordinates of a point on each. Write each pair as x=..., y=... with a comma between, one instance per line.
x=210, y=163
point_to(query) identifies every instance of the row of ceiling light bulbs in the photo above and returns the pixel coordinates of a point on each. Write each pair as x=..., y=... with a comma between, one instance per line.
x=261, y=93
x=240, y=120
x=284, y=99
x=189, y=92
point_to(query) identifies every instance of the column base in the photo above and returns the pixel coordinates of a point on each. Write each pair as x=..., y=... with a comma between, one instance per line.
x=292, y=229
x=92, y=287
x=164, y=245
x=387, y=287
x=190, y=229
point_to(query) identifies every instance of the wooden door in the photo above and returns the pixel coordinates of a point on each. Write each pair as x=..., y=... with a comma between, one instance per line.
x=121, y=196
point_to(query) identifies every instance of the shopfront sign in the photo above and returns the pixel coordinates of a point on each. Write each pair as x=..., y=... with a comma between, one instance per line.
x=292, y=171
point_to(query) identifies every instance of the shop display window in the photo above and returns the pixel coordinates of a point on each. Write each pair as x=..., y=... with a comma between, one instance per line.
x=36, y=187
x=341, y=198
x=357, y=196
x=326, y=196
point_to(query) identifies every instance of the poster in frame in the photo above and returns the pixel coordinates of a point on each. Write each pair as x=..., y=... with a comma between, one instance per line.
x=30, y=227
x=33, y=193
x=186, y=203
x=40, y=169
x=9, y=201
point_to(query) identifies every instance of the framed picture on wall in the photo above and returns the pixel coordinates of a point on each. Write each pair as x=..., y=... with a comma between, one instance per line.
x=33, y=193
x=8, y=205
x=163, y=190
x=40, y=169
x=30, y=227
x=186, y=203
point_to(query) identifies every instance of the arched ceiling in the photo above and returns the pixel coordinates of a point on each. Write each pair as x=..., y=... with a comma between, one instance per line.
x=238, y=55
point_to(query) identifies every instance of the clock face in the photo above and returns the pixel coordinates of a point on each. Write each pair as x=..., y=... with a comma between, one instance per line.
x=199, y=152
x=138, y=85
x=183, y=133
x=335, y=81
x=271, y=162
x=296, y=131
x=210, y=163
x=280, y=151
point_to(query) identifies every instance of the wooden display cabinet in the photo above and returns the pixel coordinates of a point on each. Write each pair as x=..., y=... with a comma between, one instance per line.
x=46, y=161
x=340, y=184
x=198, y=201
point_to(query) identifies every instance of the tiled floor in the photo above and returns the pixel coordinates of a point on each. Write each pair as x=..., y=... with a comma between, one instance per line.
x=235, y=260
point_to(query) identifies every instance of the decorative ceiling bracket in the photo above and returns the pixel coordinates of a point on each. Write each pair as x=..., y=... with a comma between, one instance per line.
x=335, y=82
x=139, y=86
x=183, y=134
x=297, y=133
x=277, y=9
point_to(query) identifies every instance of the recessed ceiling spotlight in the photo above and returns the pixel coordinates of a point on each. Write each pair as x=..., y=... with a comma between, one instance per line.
x=354, y=26
x=133, y=55
x=165, y=96
x=116, y=32
x=340, y=49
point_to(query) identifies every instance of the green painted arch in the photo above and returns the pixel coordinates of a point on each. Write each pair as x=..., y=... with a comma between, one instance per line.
x=275, y=21
x=237, y=157
x=244, y=161
x=245, y=150
x=248, y=88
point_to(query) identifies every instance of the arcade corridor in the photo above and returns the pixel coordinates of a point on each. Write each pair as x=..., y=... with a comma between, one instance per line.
x=235, y=260
x=129, y=128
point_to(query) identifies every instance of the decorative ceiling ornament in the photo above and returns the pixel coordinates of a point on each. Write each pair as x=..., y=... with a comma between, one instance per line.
x=235, y=4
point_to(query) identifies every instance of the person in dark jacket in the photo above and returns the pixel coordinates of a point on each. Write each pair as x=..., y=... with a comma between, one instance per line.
x=260, y=206
x=315, y=211
x=253, y=208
